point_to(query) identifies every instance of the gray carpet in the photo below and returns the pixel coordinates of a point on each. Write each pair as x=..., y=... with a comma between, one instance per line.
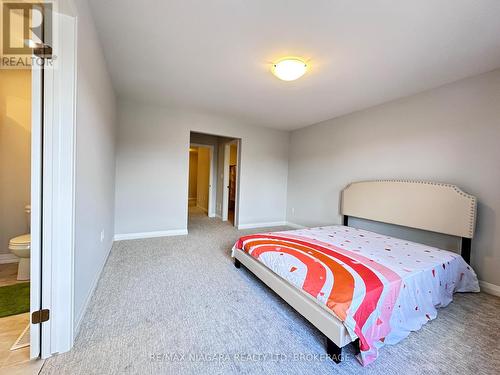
x=181, y=300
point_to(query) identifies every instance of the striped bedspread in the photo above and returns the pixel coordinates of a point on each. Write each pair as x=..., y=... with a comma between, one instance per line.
x=380, y=287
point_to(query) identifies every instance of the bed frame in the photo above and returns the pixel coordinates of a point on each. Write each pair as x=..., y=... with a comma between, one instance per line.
x=429, y=206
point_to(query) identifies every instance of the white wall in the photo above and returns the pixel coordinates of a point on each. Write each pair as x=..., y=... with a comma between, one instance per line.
x=152, y=167
x=449, y=134
x=95, y=161
x=15, y=155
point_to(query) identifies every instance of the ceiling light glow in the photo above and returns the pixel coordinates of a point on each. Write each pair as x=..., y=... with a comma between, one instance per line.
x=289, y=68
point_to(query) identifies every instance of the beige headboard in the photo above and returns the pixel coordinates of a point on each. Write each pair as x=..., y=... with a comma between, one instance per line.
x=431, y=206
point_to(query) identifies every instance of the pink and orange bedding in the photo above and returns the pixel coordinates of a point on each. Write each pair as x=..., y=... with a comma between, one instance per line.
x=380, y=287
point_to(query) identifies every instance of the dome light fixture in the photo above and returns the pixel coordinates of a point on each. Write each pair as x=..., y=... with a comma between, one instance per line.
x=289, y=68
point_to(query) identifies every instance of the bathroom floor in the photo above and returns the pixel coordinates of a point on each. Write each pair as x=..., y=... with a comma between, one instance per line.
x=8, y=274
x=11, y=327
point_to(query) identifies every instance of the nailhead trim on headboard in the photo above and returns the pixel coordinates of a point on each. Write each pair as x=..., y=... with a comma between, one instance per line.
x=473, y=204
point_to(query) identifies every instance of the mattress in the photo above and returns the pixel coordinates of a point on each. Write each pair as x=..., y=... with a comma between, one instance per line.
x=380, y=287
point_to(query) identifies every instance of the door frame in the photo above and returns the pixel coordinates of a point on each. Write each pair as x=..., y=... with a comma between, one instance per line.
x=225, y=187
x=53, y=194
x=36, y=209
x=213, y=168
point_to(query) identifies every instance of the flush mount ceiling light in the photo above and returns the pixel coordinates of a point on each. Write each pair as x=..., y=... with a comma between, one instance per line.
x=289, y=68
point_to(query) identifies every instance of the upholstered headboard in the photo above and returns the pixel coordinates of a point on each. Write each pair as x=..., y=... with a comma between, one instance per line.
x=431, y=206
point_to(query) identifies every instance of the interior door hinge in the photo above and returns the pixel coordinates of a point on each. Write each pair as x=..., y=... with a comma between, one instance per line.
x=40, y=316
x=43, y=51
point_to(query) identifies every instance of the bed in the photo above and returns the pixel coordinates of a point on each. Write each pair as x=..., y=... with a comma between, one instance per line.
x=362, y=287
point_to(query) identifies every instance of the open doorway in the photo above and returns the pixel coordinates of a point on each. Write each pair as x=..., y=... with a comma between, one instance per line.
x=37, y=183
x=37, y=123
x=15, y=200
x=213, y=178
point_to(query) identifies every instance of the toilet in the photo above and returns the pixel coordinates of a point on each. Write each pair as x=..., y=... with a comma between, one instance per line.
x=20, y=246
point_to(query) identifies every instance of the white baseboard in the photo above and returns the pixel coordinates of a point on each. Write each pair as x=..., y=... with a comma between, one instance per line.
x=262, y=225
x=295, y=226
x=489, y=288
x=271, y=224
x=8, y=258
x=79, y=319
x=212, y=215
x=163, y=233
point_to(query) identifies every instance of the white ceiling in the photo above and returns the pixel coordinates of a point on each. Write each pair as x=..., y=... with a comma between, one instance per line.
x=214, y=55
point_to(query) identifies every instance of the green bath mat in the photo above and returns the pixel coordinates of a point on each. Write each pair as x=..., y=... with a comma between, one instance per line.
x=14, y=299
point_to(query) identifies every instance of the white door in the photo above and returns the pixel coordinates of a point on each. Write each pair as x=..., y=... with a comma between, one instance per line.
x=52, y=194
x=237, y=192
x=225, y=184
x=211, y=211
x=36, y=209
